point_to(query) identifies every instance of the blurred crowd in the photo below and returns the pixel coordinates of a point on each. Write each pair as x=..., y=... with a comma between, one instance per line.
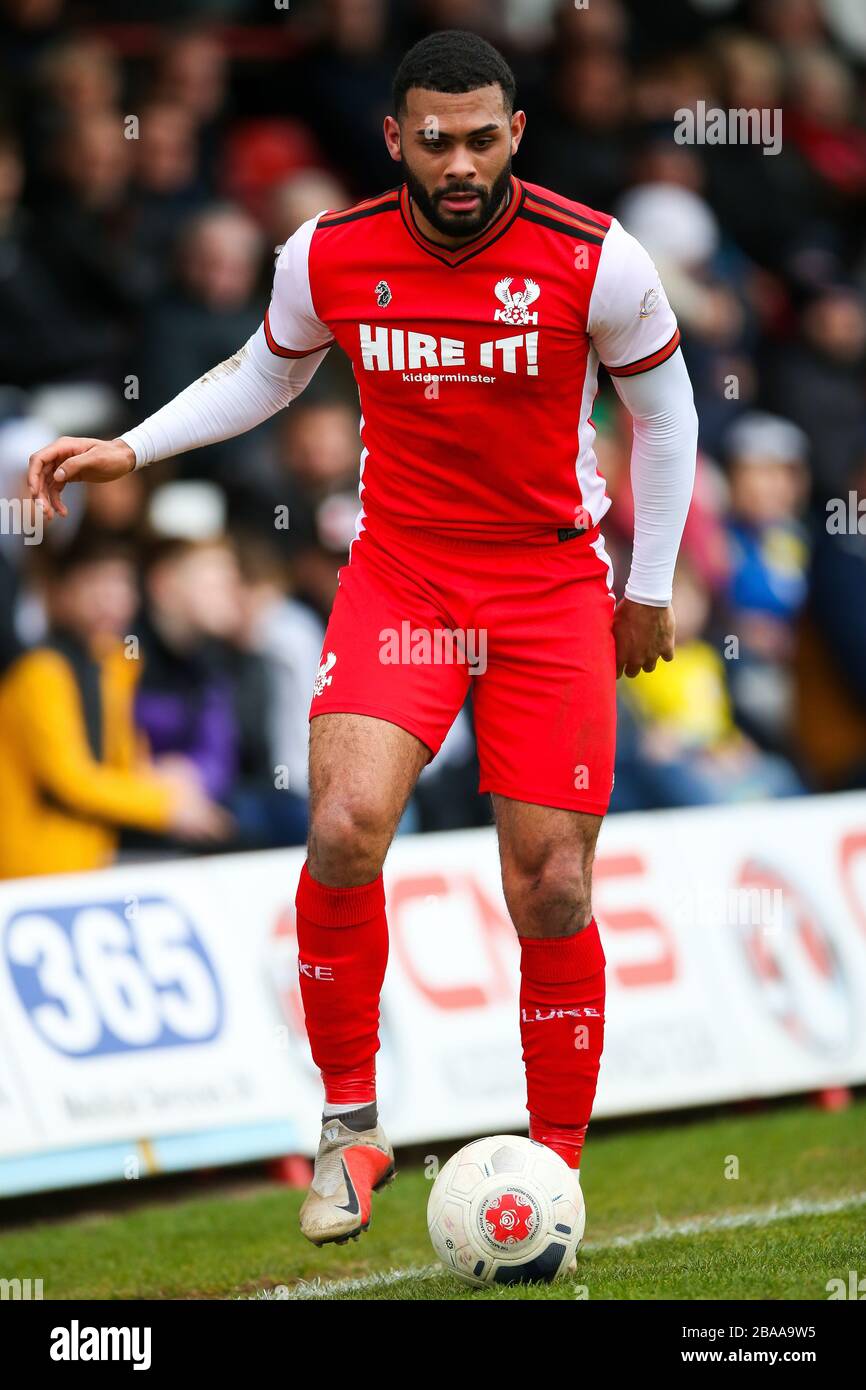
x=158, y=648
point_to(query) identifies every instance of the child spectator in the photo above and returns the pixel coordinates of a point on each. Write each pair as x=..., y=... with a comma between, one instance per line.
x=769, y=558
x=678, y=742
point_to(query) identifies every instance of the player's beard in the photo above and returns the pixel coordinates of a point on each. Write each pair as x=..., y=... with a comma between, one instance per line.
x=458, y=224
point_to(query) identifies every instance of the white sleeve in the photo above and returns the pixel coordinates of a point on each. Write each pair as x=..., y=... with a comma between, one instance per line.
x=291, y=323
x=635, y=334
x=631, y=323
x=662, y=407
x=268, y=372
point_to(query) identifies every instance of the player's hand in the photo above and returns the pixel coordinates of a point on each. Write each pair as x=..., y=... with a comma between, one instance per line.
x=642, y=635
x=78, y=460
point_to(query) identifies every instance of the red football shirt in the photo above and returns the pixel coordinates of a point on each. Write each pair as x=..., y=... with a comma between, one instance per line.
x=476, y=368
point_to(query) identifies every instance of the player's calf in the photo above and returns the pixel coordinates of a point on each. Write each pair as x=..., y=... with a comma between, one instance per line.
x=547, y=873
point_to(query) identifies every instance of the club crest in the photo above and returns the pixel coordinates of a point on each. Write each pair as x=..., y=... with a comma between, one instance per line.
x=516, y=303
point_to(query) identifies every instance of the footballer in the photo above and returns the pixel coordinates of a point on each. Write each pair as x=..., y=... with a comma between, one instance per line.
x=475, y=308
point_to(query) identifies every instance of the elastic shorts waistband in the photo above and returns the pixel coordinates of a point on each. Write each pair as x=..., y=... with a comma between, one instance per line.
x=541, y=538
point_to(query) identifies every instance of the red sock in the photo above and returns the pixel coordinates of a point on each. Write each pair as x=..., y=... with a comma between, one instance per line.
x=342, y=953
x=562, y=1028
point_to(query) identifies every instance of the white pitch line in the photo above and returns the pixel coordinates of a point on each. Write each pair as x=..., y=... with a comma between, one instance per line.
x=700, y=1225
x=731, y=1221
x=323, y=1288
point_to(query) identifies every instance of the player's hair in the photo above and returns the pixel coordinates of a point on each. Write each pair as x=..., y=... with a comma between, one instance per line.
x=453, y=60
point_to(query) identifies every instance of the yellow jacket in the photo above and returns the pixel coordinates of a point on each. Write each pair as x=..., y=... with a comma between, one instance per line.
x=62, y=801
x=687, y=697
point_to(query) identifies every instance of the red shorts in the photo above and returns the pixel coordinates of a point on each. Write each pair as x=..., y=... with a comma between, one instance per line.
x=417, y=622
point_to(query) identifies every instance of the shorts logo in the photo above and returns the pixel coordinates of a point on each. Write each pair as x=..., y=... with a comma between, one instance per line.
x=322, y=677
x=383, y=294
x=516, y=309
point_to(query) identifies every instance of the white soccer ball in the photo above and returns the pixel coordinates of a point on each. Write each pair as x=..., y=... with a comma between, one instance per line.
x=506, y=1210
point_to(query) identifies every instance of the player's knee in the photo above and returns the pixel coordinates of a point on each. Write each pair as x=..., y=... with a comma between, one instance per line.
x=348, y=841
x=551, y=898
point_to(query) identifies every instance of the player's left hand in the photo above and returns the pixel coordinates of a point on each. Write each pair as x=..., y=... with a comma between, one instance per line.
x=642, y=635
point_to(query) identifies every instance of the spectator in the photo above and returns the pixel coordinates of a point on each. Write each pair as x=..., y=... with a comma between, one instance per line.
x=317, y=493
x=769, y=204
x=346, y=79
x=824, y=125
x=816, y=380
x=184, y=703
x=831, y=656
x=204, y=318
x=74, y=81
x=207, y=695
x=679, y=744
x=116, y=510
x=290, y=203
x=287, y=636
x=578, y=140
x=295, y=200
x=193, y=68
x=70, y=277
x=168, y=187
x=839, y=573
x=81, y=77
x=72, y=770
x=769, y=557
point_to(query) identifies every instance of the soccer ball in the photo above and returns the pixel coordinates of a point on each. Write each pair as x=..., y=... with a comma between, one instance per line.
x=506, y=1210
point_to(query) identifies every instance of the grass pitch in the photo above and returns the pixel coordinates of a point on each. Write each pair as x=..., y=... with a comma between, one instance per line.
x=663, y=1221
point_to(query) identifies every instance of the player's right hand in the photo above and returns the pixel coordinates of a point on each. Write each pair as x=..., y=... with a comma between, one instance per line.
x=78, y=460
